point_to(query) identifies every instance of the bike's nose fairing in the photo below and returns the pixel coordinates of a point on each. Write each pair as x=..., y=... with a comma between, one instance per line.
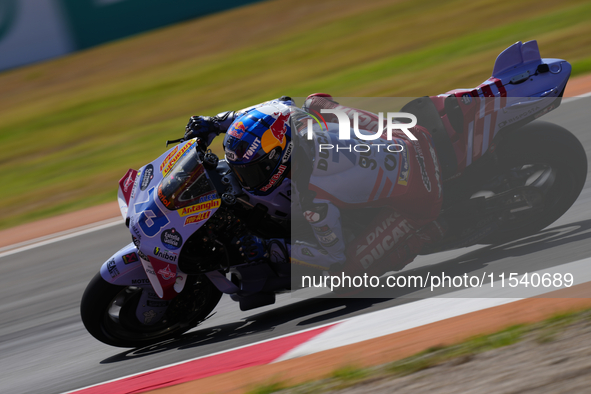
x=170, y=199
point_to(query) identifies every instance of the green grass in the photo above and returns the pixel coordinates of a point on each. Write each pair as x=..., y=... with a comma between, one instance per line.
x=462, y=352
x=456, y=354
x=71, y=127
x=349, y=373
x=267, y=388
x=582, y=66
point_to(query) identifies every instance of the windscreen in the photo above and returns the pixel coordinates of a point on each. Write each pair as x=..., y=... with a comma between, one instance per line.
x=186, y=183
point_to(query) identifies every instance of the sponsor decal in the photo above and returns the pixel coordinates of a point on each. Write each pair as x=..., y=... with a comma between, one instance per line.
x=135, y=186
x=163, y=198
x=171, y=239
x=518, y=117
x=135, y=240
x=230, y=155
x=140, y=281
x=168, y=157
x=279, y=128
x=421, y=161
x=147, y=177
x=130, y=258
x=166, y=169
x=126, y=184
x=436, y=163
x=287, y=153
x=165, y=254
x=204, y=206
x=237, y=130
x=322, y=230
x=272, y=154
x=112, y=268
x=207, y=197
x=385, y=238
x=328, y=240
x=197, y=218
x=166, y=273
x=254, y=147
x=544, y=111
x=404, y=169
x=157, y=304
x=275, y=178
x=311, y=216
x=142, y=255
x=466, y=98
x=137, y=237
x=307, y=252
x=322, y=139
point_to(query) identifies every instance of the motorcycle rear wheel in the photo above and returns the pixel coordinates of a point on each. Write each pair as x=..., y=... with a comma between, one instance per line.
x=108, y=312
x=548, y=146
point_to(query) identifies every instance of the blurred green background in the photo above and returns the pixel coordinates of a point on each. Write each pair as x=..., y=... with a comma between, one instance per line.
x=71, y=127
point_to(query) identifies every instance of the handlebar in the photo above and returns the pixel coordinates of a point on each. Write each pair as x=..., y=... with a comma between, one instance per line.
x=202, y=145
x=174, y=141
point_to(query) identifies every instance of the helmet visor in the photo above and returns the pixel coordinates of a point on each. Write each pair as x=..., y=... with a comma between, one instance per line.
x=257, y=174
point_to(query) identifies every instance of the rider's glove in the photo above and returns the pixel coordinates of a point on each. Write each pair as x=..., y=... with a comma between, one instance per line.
x=204, y=127
x=252, y=248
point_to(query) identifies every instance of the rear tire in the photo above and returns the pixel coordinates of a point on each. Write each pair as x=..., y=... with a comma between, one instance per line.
x=550, y=145
x=188, y=309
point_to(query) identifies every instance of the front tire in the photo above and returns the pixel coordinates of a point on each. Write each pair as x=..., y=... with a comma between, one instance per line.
x=123, y=329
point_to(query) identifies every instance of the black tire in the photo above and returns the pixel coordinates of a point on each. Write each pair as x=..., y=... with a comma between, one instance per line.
x=189, y=308
x=546, y=144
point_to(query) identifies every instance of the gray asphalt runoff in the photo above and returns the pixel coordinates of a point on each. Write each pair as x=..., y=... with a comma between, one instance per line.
x=45, y=348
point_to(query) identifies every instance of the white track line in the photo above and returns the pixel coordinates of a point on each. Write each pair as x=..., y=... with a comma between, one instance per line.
x=415, y=314
x=571, y=99
x=57, y=237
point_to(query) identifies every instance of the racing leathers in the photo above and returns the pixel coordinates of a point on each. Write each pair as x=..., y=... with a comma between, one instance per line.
x=398, y=181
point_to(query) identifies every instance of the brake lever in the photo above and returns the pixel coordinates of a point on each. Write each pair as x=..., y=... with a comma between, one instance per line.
x=174, y=141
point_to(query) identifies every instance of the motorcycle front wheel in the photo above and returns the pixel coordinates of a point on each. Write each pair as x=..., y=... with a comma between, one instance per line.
x=108, y=312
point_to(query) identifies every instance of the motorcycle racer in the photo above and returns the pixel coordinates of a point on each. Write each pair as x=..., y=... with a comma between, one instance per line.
x=404, y=184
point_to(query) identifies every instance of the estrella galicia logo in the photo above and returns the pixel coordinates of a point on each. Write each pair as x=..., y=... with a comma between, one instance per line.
x=171, y=239
x=165, y=254
x=147, y=177
x=112, y=268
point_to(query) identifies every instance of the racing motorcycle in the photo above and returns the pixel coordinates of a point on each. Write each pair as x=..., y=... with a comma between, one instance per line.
x=186, y=209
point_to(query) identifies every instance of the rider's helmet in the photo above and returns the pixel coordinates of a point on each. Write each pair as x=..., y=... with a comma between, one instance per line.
x=258, y=148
